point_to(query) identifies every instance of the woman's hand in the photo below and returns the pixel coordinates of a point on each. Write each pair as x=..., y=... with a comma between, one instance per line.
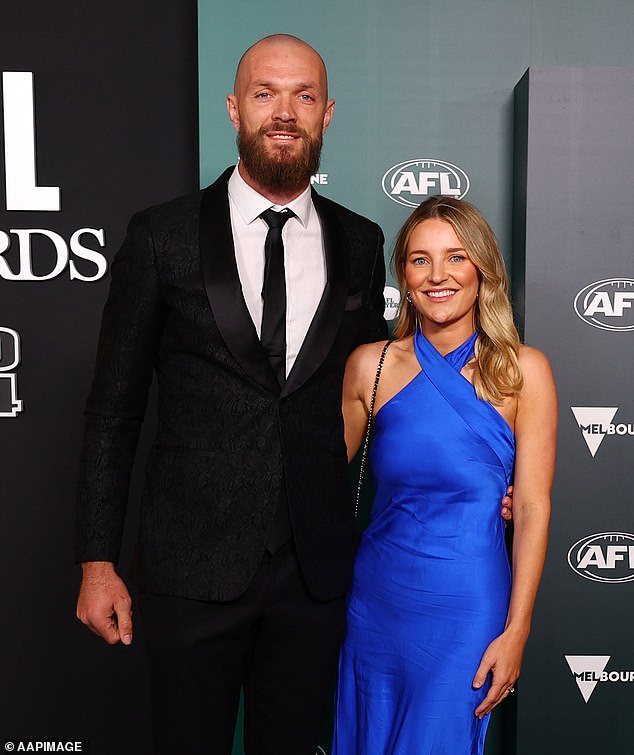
x=503, y=659
x=535, y=440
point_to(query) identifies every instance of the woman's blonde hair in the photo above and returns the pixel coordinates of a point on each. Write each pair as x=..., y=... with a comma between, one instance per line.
x=497, y=372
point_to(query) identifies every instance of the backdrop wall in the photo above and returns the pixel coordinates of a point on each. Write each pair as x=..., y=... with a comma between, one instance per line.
x=424, y=96
x=113, y=128
x=417, y=79
x=574, y=266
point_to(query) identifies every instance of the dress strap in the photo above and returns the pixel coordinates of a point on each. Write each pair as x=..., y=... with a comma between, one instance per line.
x=466, y=351
x=368, y=429
x=459, y=393
x=456, y=358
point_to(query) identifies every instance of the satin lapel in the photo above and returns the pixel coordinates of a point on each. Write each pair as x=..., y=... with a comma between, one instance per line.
x=222, y=284
x=327, y=320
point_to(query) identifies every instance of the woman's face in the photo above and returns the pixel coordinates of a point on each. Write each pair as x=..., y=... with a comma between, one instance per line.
x=441, y=279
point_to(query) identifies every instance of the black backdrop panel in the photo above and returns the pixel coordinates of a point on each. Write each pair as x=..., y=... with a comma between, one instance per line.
x=115, y=93
x=574, y=269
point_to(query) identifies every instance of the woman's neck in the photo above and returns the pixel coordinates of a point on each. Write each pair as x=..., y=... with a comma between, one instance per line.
x=446, y=338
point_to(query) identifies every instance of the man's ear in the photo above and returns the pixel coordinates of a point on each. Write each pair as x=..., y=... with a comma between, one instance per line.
x=232, y=109
x=330, y=111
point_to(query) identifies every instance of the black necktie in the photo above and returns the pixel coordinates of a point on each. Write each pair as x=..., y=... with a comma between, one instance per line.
x=273, y=334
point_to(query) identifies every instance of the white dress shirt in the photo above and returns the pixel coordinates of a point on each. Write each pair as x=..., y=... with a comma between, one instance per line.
x=304, y=259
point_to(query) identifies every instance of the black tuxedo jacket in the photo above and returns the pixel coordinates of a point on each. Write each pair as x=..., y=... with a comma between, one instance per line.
x=228, y=439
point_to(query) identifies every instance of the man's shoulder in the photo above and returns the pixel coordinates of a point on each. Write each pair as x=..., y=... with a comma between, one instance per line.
x=178, y=206
x=184, y=206
x=345, y=215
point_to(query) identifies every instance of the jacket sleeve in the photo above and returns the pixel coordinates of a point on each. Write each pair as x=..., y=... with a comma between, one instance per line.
x=128, y=342
x=374, y=326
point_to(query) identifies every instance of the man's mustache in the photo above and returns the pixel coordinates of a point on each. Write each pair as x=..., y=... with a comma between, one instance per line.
x=283, y=128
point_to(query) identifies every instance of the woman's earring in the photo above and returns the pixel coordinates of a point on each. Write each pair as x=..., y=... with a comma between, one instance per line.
x=409, y=298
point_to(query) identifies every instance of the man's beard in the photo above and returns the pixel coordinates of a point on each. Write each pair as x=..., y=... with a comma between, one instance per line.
x=279, y=169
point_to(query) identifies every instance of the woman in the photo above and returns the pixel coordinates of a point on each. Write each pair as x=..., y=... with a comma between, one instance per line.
x=436, y=626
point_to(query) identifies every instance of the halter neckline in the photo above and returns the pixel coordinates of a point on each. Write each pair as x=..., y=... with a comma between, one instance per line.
x=456, y=358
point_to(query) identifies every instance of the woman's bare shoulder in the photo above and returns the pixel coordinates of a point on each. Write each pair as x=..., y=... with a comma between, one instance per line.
x=367, y=356
x=534, y=363
x=367, y=351
x=539, y=383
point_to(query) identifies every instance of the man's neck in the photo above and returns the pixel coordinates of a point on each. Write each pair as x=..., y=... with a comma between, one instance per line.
x=277, y=196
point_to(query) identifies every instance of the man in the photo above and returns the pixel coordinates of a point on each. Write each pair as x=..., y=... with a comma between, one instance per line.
x=247, y=533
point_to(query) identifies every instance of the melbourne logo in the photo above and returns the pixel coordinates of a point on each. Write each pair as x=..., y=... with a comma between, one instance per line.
x=595, y=422
x=10, y=404
x=589, y=670
x=604, y=557
x=411, y=182
x=37, y=254
x=607, y=304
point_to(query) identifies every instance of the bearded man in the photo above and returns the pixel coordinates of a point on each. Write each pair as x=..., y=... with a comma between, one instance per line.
x=245, y=300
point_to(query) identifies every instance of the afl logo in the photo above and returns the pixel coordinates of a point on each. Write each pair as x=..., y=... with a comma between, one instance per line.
x=607, y=304
x=605, y=557
x=411, y=182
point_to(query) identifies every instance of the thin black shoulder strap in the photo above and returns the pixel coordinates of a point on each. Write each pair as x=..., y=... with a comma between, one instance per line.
x=368, y=429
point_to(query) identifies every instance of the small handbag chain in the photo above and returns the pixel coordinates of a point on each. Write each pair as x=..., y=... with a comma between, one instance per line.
x=368, y=429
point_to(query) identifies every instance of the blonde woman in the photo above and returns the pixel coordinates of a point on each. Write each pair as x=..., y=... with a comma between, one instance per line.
x=437, y=618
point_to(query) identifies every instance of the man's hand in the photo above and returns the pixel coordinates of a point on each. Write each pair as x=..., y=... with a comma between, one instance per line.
x=507, y=505
x=104, y=604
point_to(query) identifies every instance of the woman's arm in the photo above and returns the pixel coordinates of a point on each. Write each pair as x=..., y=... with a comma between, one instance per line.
x=535, y=439
x=358, y=382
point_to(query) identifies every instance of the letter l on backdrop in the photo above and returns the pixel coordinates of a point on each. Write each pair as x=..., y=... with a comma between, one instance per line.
x=19, y=147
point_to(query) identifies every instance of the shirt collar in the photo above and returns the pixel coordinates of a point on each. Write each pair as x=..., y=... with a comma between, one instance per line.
x=250, y=204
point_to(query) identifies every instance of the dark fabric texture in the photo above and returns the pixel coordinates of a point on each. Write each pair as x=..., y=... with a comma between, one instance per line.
x=227, y=434
x=276, y=639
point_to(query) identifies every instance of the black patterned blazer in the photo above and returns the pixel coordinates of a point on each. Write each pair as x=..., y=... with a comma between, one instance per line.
x=227, y=437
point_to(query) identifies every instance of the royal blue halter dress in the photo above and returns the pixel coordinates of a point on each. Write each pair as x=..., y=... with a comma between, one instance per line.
x=432, y=579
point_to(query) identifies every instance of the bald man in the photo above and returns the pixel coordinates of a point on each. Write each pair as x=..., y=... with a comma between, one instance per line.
x=247, y=532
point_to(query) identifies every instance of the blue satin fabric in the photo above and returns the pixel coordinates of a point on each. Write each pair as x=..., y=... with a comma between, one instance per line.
x=432, y=578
